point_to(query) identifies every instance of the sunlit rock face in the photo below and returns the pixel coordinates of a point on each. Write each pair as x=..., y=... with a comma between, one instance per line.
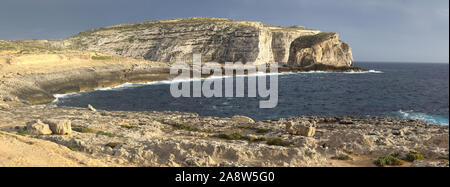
x=218, y=40
x=322, y=48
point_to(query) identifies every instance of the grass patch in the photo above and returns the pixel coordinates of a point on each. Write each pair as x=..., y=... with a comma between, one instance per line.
x=247, y=126
x=190, y=128
x=412, y=156
x=83, y=129
x=348, y=151
x=22, y=131
x=239, y=136
x=73, y=148
x=128, y=126
x=254, y=139
x=342, y=157
x=113, y=144
x=278, y=142
x=262, y=130
x=107, y=134
x=101, y=57
x=234, y=136
x=388, y=161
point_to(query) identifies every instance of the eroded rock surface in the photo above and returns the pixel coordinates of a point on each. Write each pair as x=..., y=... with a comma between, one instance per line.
x=323, y=48
x=187, y=139
x=37, y=127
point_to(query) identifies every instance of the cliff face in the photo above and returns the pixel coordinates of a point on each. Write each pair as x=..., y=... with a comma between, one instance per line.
x=323, y=48
x=218, y=40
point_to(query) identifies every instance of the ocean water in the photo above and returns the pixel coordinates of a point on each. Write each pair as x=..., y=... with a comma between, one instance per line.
x=406, y=90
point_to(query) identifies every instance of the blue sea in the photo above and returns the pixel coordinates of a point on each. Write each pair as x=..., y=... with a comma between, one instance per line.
x=405, y=90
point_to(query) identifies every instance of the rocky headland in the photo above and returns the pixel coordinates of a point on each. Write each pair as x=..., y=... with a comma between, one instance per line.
x=31, y=72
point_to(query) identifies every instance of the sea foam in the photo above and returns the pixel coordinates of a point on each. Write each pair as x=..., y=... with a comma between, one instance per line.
x=433, y=119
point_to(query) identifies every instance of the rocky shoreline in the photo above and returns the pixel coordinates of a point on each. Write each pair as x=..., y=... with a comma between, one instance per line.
x=186, y=139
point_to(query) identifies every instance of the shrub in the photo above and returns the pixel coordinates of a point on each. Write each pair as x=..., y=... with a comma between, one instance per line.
x=412, y=156
x=262, y=130
x=234, y=136
x=247, y=126
x=83, y=129
x=185, y=127
x=106, y=134
x=73, y=148
x=277, y=141
x=127, y=126
x=388, y=160
x=190, y=128
x=254, y=139
x=342, y=157
x=348, y=151
x=113, y=144
x=22, y=131
x=101, y=57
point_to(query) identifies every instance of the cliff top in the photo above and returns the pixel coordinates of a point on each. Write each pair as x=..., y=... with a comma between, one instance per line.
x=306, y=41
x=182, y=21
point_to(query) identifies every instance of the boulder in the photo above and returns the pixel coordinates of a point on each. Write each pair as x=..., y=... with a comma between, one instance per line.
x=36, y=127
x=303, y=128
x=4, y=106
x=91, y=108
x=242, y=119
x=60, y=127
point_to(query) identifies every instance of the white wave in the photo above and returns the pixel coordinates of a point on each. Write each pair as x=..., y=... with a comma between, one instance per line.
x=424, y=117
x=370, y=71
x=306, y=72
x=349, y=72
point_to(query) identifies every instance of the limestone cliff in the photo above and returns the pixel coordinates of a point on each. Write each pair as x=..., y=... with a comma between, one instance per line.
x=323, y=48
x=218, y=40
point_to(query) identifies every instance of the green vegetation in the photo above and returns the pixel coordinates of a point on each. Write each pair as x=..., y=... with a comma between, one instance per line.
x=278, y=142
x=101, y=57
x=313, y=39
x=234, y=136
x=23, y=131
x=113, y=144
x=131, y=39
x=388, y=160
x=247, y=126
x=28, y=47
x=342, y=157
x=128, y=126
x=255, y=139
x=239, y=136
x=262, y=130
x=83, y=129
x=190, y=128
x=412, y=156
x=106, y=134
x=348, y=151
x=73, y=148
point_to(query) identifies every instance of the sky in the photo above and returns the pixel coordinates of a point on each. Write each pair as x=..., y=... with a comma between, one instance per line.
x=377, y=30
